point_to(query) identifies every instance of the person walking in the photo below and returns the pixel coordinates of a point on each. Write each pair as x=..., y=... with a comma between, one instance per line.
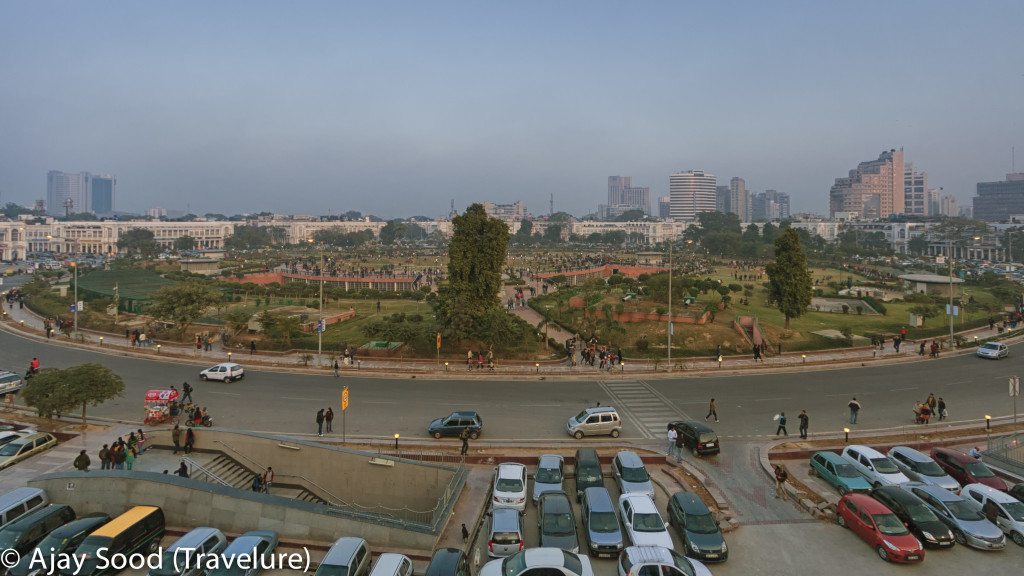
x=932, y=403
x=940, y=407
x=82, y=462
x=465, y=532
x=804, y=419
x=896, y=344
x=464, y=436
x=320, y=422
x=782, y=425
x=712, y=411
x=252, y=347
x=781, y=475
x=176, y=438
x=142, y=441
x=920, y=349
x=672, y=435
x=336, y=373
x=190, y=440
x=757, y=353
x=257, y=483
x=679, y=448
x=329, y=419
x=186, y=390
x=854, y=407
x=268, y=479
x=104, y=458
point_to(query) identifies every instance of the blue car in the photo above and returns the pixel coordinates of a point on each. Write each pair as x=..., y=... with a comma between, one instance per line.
x=835, y=470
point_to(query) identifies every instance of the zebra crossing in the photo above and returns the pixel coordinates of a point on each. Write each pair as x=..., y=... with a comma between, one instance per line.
x=646, y=408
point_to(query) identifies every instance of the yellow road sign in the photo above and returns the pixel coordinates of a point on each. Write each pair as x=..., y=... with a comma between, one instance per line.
x=344, y=398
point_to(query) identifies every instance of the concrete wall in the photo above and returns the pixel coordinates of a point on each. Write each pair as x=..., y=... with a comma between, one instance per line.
x=189, y=503
x=346, y=474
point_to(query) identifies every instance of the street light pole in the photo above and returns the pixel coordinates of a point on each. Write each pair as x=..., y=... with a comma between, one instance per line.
x=950, y=245
x=319, y=324
x=75, y=266
x=670, y=242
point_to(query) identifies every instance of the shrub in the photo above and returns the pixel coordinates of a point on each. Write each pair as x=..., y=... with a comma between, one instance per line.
x=860, y=309
x=735, y=288
x=642, y=345
x=414, y=318
x=846, y=309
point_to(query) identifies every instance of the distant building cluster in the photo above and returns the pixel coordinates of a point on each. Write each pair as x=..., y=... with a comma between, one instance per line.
x=79, y=192
x=624, y=197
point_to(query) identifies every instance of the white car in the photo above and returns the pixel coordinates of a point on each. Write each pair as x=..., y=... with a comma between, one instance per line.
x=225, y=372
x=876, y=467
x=509, y=487
x=546, y=561
x=1000, y=508
x=549, y=476
x=994, y=350
x=648, y=560
x=643, y=523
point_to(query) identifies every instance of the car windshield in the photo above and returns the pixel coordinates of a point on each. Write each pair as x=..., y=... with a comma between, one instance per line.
x=509, y=485
x=1015, y=510
x=930, y=468
x=846, y=471
x=331, y=570
x=682, y=564
x=648, y=523
x=921, y=513
x=604, y=522
x=635, y=474
x=514, y=564
x=979, y=470
x=581, y=417
x=10, y=449
x=889, y=524
x=549, y=476
x=558, y=524
x=961, y=510
x=884, y=466
x=505, y=538
x=701, y=524
x=237, y=564
x=991, y=346
x=588, y=474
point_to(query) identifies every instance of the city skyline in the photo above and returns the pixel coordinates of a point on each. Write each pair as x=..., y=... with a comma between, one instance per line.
x=250, y=107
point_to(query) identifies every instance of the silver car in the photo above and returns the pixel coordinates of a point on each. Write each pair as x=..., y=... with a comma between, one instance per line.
x=631, y=475
x=549, y=477
x=600, y=523
x=921, y=468
x=969, y=526
x=505, y=536
x=556, y=522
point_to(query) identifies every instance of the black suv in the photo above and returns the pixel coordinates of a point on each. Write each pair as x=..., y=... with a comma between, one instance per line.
x=698, y=437
x=454, y=423
x=917, y=515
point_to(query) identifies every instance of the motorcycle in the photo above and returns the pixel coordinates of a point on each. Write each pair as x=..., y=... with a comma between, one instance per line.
x=206, y=421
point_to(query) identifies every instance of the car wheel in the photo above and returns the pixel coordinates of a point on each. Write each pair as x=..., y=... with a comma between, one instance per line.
x=227, y=379
x=153, y=546
x=812, y=472
x=840, y=520
x=578, y=435
x=437, y=435
x=843, y=491
x=615, y=433
x=1017, y=538
x=882, y=553
x=474, y=435
x=961, y=539
x=203, y=377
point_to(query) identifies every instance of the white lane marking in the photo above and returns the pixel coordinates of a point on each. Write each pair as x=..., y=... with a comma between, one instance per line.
x=222, y=393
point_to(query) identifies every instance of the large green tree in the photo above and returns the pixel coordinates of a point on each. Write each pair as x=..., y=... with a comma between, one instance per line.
x=183, y=304
x=56, y=392
x=476, y=255
x=254, y=237
x=789, y=280
x=186, y=242
x=139, y=242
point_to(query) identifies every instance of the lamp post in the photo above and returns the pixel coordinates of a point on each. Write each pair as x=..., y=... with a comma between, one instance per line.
x=846, y=431
x=988, y=423
x=75, y=327
x=396, y=441
x=320, y=319
x=670, y=242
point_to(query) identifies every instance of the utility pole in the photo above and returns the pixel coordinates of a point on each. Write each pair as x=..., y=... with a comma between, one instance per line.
x=949, y=244
x=320, y=323
x=670, y=242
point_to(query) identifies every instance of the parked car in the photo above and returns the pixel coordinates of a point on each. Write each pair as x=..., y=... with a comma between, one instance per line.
x=658, y=560
x=556, y=522
x=225, y=372
x=448, y=562
x=505, y=534
x=10, y=382
x=454, y=423
x=837, y=471
x=62, y=540
x=587, y=471
x=243, y=556
x=600, y=524
x=600, y=421
x=969, y=527
x=348, y=556
x=876, y=467
x=509, y=487
x=921, y=468
x=17, y=450
x=1000, y=508
x=545, y=561
x=136, y=531
x=879, y=527
x=631, y=475
x=993, y=350
x=20, y=501
x=8, y=436
x=642, y=521
x=24, y=533
x=966, y=469
x=549, y=476
x=697, y=528
x=182, y=558
x=1017, y=491
x=698, y=437
x=391, y=564
x=917, y=515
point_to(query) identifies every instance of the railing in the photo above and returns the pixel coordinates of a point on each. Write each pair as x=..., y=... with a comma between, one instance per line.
x=1007, y=452
x=194, y=466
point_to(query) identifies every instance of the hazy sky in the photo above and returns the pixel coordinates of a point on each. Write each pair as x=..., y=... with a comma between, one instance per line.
x=394, y=108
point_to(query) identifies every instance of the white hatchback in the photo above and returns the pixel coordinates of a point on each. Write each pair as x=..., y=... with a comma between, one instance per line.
x=225, y=372
x=643, y=523
x=509, y=486
x=994, y=350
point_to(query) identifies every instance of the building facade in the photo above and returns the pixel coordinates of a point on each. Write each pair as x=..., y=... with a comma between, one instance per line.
x=508, y=212
x=623, y=196
x=916, y=195
x=691, y=193
x=997, y=201
x=722, y=199
x=739, y=198
x=664, y=206
x=71, y=192
x=949, y=206
x=874, y=189
x=768, y=206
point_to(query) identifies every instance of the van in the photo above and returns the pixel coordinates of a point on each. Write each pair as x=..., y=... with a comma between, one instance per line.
x=137, y=530
x=25, y=532
x=20, y=501
x=390, y=564
x=505, y=534
x=57, y=543
x=600, y=523
x=448, y=562
x=182, y=557
x=347, y=557
x=587, y=472
x=595, y=422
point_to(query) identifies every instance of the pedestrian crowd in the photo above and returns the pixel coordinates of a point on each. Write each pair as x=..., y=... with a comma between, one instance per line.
x=118, y=455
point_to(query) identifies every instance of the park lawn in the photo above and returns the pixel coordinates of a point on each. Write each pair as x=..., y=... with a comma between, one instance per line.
x=351, y=331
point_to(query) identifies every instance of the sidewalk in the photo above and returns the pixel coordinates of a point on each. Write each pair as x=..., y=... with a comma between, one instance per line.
x=25, y=322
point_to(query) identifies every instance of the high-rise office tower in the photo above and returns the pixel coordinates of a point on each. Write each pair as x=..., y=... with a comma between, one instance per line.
x=664, y=206
x=874, y=189
x=623, y=196
x=950, y=206
x=101, y=193
x=722, y=199
x=739, y=199
x=997, y=201
x=916, y=196
x=691, y=193
x=77, y=192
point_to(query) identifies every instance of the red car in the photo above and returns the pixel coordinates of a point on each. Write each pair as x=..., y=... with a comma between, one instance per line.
x=879, y=527
x=967, y=470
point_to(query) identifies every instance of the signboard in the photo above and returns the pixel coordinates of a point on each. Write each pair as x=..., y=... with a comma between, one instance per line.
x=320, y=326
x=955, y=312
x=439, y=341
x=80, y=306
x=1014, y=386
x=344, y=399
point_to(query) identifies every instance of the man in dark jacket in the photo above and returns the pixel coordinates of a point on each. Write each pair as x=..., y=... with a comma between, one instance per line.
x=803, y=423
x=782, y=425
x=104, y=458
x=320, y=422
x=82, y=462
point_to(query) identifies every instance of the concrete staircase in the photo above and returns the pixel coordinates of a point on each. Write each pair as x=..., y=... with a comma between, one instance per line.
x=230, y=471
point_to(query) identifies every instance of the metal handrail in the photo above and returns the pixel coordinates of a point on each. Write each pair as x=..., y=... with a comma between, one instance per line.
x=303, y=478
x=193, y=464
